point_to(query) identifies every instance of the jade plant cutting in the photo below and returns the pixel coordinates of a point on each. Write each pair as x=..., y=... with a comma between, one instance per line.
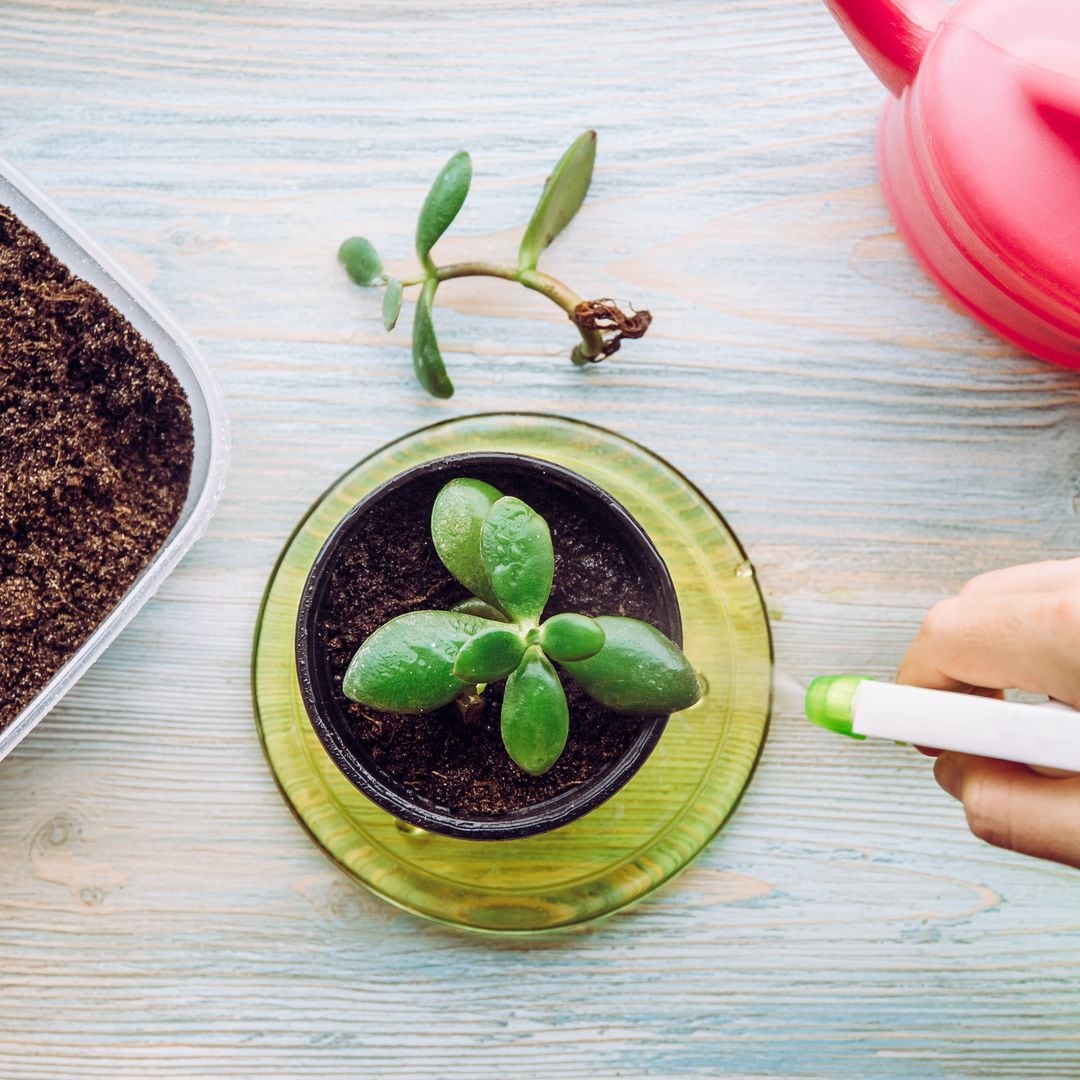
x=601, y=323
x=500, y=549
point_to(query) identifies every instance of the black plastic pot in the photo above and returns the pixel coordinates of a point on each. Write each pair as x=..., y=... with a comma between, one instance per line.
x=331, y=724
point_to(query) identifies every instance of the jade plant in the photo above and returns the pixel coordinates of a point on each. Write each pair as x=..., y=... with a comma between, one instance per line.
x=500, y=549
x=601, y=323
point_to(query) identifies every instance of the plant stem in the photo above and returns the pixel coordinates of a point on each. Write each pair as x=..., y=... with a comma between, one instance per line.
x=538, y=281
x=475, y=269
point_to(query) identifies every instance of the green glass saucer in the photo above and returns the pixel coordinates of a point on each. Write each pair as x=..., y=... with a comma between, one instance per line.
x=646, y=833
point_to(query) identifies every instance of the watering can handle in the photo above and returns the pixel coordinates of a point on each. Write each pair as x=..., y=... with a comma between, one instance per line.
x=890, y=35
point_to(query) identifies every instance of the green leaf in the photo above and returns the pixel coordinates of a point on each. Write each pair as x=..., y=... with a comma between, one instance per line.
x=391, y=303
x=427, y=359
x=580, y=355
x=564, y=192
x=407, y=665
x=515, y=544
x=481, y=609
x=361, y=260
x=489, y=656
x=571, y=637
x=535, y=719
x=638, y=671
x=441, y=206
x=457, y=520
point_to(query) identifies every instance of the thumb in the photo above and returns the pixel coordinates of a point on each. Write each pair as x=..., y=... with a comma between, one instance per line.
x=1009, y=806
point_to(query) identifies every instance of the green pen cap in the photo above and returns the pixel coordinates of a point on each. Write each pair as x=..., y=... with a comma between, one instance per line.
x=829, y=703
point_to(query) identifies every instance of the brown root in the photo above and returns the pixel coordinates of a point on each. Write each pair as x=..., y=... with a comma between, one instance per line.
x=611, y=322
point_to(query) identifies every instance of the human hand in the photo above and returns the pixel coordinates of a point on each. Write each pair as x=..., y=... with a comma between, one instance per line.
x=1017, y=628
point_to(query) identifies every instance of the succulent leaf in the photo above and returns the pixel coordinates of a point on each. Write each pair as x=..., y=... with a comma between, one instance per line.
x=571, y=637
x=535, y=719
x=489, y=656
x=480, y=608
x=441, y=206
x=515, y=545
x=407, y=665
x=391, y=303
x=564, y=192
x=427, y=359
x=457, y=521
x=638, y=670
x=581, y=356
x=361, y=260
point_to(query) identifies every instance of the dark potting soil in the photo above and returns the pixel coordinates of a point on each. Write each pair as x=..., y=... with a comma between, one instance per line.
x=389, y=567
x=95, y=459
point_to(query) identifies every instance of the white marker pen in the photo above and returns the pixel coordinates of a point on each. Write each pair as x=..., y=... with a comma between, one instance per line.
x=1047, y=735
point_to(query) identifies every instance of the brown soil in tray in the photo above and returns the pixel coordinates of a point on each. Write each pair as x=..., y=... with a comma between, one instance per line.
x=389, y=567
x=95, y=459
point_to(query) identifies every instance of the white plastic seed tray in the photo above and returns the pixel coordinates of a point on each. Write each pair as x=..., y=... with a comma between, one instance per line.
x=87, y=260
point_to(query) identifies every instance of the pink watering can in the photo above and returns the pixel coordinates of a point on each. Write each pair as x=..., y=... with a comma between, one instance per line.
x=979, y=153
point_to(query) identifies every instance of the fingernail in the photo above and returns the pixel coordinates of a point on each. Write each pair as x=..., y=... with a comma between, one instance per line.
x=947, y=774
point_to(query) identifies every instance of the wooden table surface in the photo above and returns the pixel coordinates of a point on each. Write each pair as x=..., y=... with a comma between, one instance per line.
x=163, y=914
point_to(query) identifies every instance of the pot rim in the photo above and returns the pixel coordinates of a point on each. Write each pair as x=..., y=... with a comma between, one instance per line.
x=378, y=785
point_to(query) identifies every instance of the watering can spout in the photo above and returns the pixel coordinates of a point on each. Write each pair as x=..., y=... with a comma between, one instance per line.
x=890, y=35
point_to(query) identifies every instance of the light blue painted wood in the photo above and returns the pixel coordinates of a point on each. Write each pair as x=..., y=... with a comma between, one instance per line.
x=163, y=913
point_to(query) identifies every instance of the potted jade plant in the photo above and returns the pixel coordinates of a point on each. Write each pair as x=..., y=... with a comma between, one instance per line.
x=488, y=646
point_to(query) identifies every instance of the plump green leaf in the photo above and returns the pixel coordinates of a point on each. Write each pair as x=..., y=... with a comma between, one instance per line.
x=571, y=637
x=638, y=671
x=427, y=359
x=535, y=719
x=581, y=356
x=564, y=192
x=490, y=655
x=391, y=303
x=457, y=520
x=515, y=544
x=441, y=206
x=407, y=665
x=361, y=260
x=480, y=608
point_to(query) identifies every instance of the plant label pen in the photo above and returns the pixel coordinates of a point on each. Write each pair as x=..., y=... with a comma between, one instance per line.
x=1045, y=736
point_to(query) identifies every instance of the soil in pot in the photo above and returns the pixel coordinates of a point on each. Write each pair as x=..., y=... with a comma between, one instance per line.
x=96, y=447
x=388, y=566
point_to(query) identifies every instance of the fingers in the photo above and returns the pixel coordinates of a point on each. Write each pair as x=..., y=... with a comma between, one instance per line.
x=981, y=639
x=1010, y=807
x=1034, y=577
x=1015, y=628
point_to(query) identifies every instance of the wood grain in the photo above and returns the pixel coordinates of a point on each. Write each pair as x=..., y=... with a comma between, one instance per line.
x=163, y=913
